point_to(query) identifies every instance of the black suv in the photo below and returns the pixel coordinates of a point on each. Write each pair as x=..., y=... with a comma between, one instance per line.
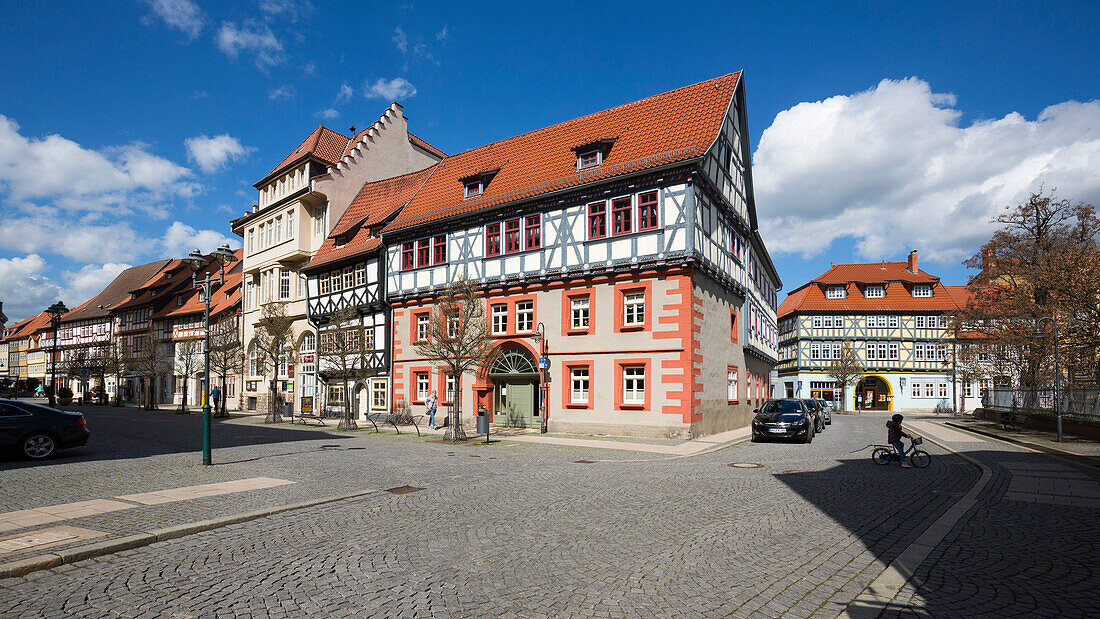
x=786, y=418
x=819, y=414
x=36, y=431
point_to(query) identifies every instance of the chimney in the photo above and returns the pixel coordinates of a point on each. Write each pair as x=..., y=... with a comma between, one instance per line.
x=913, y=261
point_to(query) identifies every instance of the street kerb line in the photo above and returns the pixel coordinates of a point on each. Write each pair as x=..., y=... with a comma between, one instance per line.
x=21, y=567
x=881, y=592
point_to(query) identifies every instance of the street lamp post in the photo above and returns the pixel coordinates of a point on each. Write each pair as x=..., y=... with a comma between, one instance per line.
x=544, y=375
x=1057, y=370
x=208, y=281
x=56, y=311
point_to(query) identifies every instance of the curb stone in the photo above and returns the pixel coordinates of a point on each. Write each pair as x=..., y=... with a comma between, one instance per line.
x=45, y=561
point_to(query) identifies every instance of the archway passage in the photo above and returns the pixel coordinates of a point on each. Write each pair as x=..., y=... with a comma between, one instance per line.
x=872, y=393
x=515, y=389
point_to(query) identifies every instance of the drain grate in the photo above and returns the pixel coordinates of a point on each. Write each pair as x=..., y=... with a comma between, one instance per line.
x=747, y=465
x=584, y=462
x=403, y=489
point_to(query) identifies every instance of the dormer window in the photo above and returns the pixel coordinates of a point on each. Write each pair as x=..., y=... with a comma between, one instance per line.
x=589, y=159
x=875, y=292
x=474, y=188
x=835, y=292
x=922, y=290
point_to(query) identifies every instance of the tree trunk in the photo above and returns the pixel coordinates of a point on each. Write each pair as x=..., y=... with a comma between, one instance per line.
x=274, y=415
x=348, y=422
x=183, y=404
x=219, y=406
x=455, y=432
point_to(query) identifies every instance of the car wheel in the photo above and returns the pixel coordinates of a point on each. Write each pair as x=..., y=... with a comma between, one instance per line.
x=809, y=435
x=755, y=437
x=38, y=446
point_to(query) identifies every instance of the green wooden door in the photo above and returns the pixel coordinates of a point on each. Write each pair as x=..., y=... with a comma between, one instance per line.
x=516, y=405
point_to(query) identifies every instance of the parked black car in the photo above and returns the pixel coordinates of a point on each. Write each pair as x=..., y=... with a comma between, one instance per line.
x=37, y=431
x=819, y=414
x=786, y=418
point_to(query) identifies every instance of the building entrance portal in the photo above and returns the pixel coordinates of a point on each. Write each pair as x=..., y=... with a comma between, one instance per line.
x=872, y=393
x=515, y=398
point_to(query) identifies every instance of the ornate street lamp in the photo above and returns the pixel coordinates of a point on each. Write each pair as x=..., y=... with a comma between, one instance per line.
x=56, y=311
x=1039, y=333
x=544, y=374
x=223, y=255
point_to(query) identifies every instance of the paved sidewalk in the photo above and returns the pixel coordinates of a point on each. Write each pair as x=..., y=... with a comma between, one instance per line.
x=685, y=448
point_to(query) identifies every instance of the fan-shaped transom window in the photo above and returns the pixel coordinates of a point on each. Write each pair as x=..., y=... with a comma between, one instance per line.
x=513, y=361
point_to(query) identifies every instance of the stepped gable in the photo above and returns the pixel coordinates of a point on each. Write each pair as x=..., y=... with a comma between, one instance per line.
x=376, y=202
x=810, y=297
x=674, y=126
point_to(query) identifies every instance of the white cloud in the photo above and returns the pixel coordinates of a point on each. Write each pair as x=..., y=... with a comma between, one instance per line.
x=390, y=90
x=184, y=15
x=83, y=241
x=89, y=281
x=328, y=114
x=25, y=289
x=179, y=239
x=891, y=169
x=400, y=39
x=253, y=38
x=76, y=178
x=309, y=68
x=214, y=153
x=345, y=94
x=285, y=92
x=442, y=34
x=290, y=9
x=200, y=94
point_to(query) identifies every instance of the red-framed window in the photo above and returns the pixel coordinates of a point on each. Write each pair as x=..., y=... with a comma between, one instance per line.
x=647, y=210
x=492, y=240
x=439, y=249
x=512, y=240
x=474, y=189
x=588, y=159
x=423, y=252
x=532, y=231
x=621, y=215
x=408, y=256
x=597, y=220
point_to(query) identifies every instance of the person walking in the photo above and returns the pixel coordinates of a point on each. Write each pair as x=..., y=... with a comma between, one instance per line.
x=215, y=394
x=432, y=403
x=893, y=436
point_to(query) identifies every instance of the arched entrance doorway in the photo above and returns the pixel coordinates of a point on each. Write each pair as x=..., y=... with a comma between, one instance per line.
x=873, y=393
x=515, y=389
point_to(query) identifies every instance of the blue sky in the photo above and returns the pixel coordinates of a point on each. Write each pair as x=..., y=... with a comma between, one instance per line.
x=135, y=133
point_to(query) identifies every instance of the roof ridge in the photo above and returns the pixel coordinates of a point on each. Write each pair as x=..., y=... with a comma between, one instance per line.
x=596, y=113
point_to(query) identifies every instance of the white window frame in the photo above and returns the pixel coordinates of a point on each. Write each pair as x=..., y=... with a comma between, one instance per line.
x=817, y=321
x=922, y=291
x=284, y=283
x=423, y=386
x=835, y=292
x=469, y=190
x=525, y=316
x=892, y=321
x=423, y=327
x=379, y=387
x=580, y=384
x=731, y=385
x=500, y=319
x=633, y=384
x=579, y=307
x=876, y=292
x=599, y=159
x=449, y=387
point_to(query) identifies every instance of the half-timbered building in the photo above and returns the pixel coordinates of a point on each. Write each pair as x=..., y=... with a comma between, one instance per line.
x=619, y=250
x=300, y=202
x=897, y=320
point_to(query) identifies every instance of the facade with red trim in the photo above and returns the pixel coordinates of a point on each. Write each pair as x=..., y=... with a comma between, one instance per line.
x=619, y=251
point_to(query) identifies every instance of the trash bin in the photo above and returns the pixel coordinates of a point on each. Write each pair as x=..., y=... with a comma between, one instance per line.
x=288, y=409
x=482, y=422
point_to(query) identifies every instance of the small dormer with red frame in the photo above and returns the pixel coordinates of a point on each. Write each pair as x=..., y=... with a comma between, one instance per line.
x=593, y=153
x=476, y=184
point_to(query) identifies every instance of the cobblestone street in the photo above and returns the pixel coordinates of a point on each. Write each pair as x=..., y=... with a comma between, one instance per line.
x=525, y=529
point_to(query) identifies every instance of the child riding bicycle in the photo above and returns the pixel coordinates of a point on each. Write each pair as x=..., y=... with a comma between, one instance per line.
x=894, y=436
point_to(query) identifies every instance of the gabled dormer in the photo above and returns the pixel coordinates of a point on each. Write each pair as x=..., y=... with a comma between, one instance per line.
x=835, y=291
x=593, y=154
x=476, y=184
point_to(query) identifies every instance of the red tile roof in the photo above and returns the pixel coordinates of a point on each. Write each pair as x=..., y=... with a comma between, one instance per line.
x=810, y=297
x=376, y=202
x=324, y=144
x=17, y=330
x=674, y=126
x=418, y=141
x=224, y=297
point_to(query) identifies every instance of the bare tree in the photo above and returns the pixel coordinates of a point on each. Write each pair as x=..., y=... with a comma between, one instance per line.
x=149, y=361
x=458, y=341
x=226, y=357
x=845, y=371
x=274, y=340
x=342, y=356
x=114, y=365
x=1041, y=262
x=188, y=362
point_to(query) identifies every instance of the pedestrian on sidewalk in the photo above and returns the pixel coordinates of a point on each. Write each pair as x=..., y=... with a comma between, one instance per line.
x=432, y=403
x=215, y=395
x=893, y=436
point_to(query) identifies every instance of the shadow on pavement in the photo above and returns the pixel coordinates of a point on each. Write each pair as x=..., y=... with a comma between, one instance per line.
x=1004, y=557
x=126, y=432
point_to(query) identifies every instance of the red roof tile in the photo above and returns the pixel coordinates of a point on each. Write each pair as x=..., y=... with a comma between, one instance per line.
x=17, y=330
x=324, y=144
x=224, y=297
x=665, y=128
x=418, y=141
x=810, y=297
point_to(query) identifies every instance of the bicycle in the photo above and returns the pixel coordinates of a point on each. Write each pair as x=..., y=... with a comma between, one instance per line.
x=884, y=454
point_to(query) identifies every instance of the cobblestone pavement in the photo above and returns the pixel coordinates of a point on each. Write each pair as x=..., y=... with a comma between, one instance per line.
x=525, y=530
